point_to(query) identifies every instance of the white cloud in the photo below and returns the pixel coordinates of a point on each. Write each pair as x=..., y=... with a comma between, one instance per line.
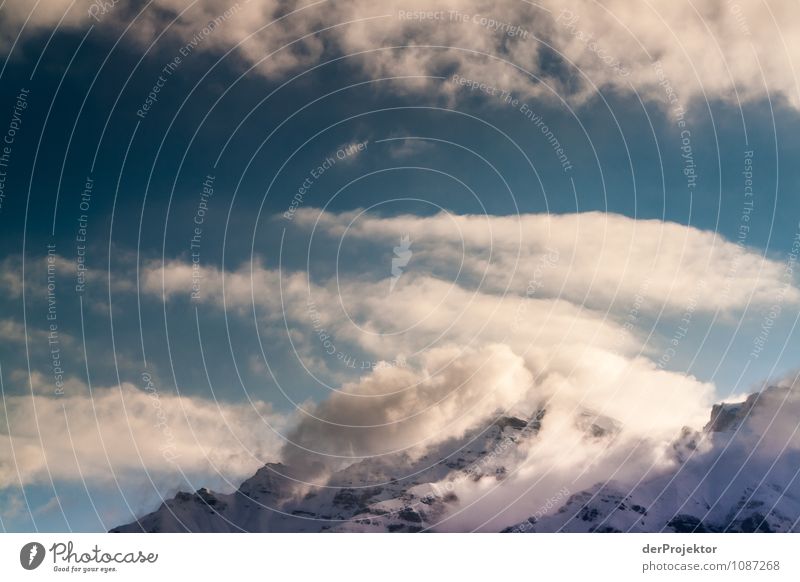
x=472, y=349
x=14, y=332
x=422, y=313
x=397, y=409
x=20, y=16
x=602, y=260
x=126, y=431
x=713, y=49
x=412, y=410
x=573, y=293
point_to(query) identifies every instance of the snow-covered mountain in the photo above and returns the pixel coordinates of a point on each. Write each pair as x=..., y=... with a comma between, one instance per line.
x=741, y=472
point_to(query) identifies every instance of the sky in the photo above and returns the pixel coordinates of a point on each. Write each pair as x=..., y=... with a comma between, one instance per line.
x=232, y=233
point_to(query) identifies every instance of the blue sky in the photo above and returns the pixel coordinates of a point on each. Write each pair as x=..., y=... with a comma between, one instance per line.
x=430, y=147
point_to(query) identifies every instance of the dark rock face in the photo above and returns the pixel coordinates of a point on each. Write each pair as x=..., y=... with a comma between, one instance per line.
x=729, y=416
x=754, y=523
x=511, y=421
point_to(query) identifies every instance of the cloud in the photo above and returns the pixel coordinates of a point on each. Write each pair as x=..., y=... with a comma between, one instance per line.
x=711, y=49
x=236, y=289
x=412, y=410
x=715, y=49
x=125, y=431
x=20, y=16
x=572, y=297
x=402, y=148
x=14, y=332
x=37, y=270
x=598, y=259
x=421, y=313
x=396, y=409
x=537, y=318
x=601, y=261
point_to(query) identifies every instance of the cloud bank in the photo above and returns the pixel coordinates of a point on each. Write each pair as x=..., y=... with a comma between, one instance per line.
x=711, y=49
x=490, y=316
x=122, y=432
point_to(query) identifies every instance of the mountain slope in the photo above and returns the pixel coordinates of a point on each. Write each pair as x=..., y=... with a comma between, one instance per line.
x=745, y=480
x=739, y=473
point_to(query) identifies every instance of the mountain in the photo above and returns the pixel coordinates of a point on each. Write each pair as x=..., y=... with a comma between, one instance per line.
x=272, y=500
x=738, y=474
x=743, y=477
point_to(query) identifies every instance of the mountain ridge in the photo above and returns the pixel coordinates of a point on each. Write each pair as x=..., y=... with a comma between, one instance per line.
x=728, y=476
